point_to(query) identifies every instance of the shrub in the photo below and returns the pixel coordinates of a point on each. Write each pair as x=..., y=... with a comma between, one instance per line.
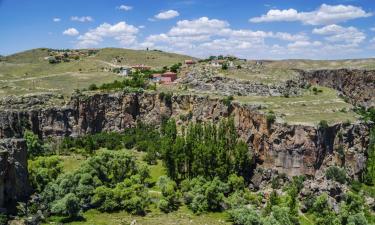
x=43, y=170
x=33, y=143
x=93, y=87
x=228, y=100
x=323, y=124
x=270, y=118
x=3, y=219
x=170, y=200
x=245, y=216
x=67, y=206
x=337, y=174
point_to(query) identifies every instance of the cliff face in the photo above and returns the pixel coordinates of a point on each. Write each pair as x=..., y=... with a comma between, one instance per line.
x=13, y=173
x=290, y=149
x=357, y=85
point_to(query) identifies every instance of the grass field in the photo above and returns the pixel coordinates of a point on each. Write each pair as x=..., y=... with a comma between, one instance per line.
x=307, y=109
x=28, y=72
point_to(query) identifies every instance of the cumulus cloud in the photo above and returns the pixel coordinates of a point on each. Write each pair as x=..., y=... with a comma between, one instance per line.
x=336, y=33
x=125, y=7
x=204, y=35
x=324, y=15
x=122, y=32
x=82, y=19
x=166, y=15
x=71, y=32
x=56, y=19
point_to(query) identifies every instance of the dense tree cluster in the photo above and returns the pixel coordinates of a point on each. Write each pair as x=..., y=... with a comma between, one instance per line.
x=109, y=181
x=204, y=150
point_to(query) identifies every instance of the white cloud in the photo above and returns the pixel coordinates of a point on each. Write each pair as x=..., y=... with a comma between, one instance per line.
x=56, y=19
x=324, y=15
x=124, y=33
x=373, y=28
x=304, y=44
x=142, y=27
x=336, y=33
x=204, y=36
x=82, y=19
x=71, y=32
x=166, y=15
x=199, y=26
x=125, y=7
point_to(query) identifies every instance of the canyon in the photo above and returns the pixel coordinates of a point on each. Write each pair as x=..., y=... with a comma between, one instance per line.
x=290, y=149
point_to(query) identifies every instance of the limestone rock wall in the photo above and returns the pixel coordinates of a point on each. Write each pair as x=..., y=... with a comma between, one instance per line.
x=292, y=149
x=357, y=85
x=14, y=184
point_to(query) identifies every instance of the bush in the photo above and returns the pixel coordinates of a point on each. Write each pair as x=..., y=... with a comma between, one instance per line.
x=270, y=118
x=3, y=219
x=337, y=174
x=93, y=87
x=67, y=206
x=34, y=144
x=323, y=124
x=43, y=170
x=228, y=100
x=245, y=216
x=170, y=200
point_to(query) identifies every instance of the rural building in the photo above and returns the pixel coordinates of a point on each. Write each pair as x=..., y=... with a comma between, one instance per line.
x=166, y=80
x=168, y=77
x=125, y=71
x=172, y=75
x=189, y=62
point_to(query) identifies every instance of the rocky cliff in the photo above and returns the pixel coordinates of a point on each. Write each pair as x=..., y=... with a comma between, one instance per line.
x=290, y=149
x=13, y=173
x=357, y=85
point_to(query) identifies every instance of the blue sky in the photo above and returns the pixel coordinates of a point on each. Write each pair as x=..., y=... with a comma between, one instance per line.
x=271, y=29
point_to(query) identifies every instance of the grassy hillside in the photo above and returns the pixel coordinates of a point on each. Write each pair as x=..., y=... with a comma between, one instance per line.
x=30, y=71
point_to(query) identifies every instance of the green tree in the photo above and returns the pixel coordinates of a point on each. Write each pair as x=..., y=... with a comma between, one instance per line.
x=245, y=216
x=67, y=206
x=33, y=143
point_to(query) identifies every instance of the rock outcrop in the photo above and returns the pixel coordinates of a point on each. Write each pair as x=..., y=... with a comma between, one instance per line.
x=357, y=85
x=208, y=81
x=289, y=149
x=14, y=185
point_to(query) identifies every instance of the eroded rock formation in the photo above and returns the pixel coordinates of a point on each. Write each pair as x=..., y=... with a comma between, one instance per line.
x=357, y=85
x=14, y=184
x=289, y=149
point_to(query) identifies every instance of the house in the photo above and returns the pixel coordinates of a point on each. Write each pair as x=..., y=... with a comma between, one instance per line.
x=124, y=71
x=156, y=77
x=168, y=77
x=189, y=62
x=172, y=75
x=166, y=80
x=141, y=67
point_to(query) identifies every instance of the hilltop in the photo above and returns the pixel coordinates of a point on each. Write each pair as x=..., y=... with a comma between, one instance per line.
x=32, y=71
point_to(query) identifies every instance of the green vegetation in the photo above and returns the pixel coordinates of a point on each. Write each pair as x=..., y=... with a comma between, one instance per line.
x=30, y=72
x=337, y=174
x=204, y=150
x=205, y=172
x=307, y=109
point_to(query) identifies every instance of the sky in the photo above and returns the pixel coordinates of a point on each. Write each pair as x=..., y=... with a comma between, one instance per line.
x=268, y=29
